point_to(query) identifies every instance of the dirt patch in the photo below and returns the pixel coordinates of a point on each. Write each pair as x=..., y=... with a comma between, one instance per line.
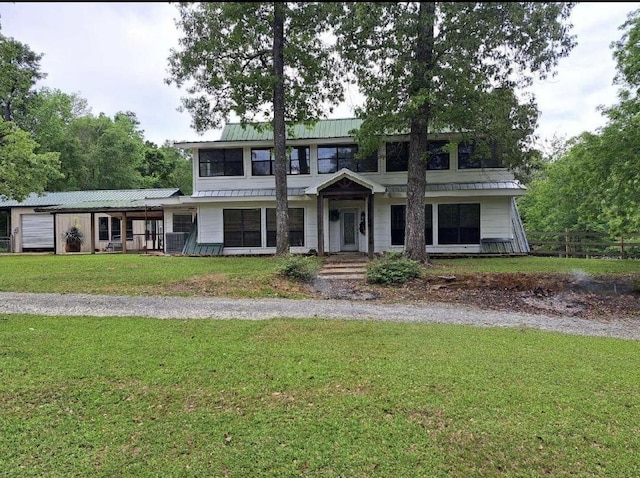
x=602, y=298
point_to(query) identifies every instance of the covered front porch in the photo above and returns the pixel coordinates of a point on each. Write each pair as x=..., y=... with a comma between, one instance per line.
x=345, y=213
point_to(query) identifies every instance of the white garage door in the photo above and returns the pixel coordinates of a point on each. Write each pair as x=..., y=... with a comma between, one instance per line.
x=37, y=231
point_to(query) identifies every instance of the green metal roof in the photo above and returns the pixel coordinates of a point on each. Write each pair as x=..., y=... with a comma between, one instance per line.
x=75, y=197
x=331, y=128
x=149, y=203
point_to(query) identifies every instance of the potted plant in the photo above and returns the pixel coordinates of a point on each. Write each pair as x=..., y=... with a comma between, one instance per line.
x=73, y=238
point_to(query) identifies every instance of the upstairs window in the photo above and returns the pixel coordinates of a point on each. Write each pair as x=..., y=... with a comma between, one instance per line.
x=331, y=159
x=438, y=156
x=263, y=161
x=477, y=155
x=220, y=162
x=398, y=156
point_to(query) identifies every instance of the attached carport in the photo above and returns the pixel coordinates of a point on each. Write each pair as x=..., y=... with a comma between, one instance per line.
x=144, y=210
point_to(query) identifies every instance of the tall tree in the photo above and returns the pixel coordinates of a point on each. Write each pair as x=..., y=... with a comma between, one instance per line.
x=108, y=152
x=22, y=170
x=262, y=62
x=595, y=184
x=166, y=167
x=19, y=72
x=429, y=65
x=49, y=118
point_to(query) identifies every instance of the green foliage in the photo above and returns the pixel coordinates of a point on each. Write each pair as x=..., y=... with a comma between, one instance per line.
x=166, y=167
x=22, y=171
x=19, y=72
x=232, y=70
x=298, y=267
x=392, y=268
x=457, y=65
x=595, y=184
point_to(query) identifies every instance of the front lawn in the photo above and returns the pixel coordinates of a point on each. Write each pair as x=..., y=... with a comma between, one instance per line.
x=134, y=274
x=107, y=397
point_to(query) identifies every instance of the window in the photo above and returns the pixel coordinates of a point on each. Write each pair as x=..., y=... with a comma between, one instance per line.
x=438, y=156
x=475, y=155
x=263, y=161
x=459, y=223
x=115, y=228
x=182, y=223
x=242, y=228
x=398, y=222
x=129, y=229
x=296, y=227
x=103, y=228
x=220, y=162
x=398, y=156
x=333, y=158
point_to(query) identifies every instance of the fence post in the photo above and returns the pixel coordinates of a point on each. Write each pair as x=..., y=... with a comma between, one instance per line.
x=621, y=247
x=567, y=248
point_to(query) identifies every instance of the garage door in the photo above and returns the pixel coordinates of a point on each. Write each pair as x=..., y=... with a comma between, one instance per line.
x=37, y=231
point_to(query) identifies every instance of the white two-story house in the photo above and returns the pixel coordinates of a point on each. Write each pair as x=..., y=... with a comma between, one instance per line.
x=341, y=204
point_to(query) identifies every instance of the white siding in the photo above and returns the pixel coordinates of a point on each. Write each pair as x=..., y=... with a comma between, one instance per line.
x=495, y=218
x=247, y=181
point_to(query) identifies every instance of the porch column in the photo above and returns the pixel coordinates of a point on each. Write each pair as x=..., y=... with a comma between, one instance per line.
x=320, y=220
x=55, y=234
x=93, y=233
x=370, y=248
x=123, y=232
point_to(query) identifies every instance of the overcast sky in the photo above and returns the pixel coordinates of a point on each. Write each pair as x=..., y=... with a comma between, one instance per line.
x=115, y=56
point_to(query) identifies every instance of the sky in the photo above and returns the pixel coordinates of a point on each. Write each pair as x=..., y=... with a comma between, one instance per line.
x=115, y=55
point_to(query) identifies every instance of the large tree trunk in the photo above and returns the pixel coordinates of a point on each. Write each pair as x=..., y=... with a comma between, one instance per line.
x=279, y=133
x=416, y=173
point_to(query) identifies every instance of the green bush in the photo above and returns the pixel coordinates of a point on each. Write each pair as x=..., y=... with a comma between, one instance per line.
x=301, y=268
x=392, y=268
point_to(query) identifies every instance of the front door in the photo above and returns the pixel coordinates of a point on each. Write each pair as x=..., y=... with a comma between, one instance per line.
x=348, y=230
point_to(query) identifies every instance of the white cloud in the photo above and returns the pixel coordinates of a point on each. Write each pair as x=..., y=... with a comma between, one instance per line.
x=115, y=55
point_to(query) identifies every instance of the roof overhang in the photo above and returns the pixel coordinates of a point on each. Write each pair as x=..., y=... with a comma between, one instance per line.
x=344, y=173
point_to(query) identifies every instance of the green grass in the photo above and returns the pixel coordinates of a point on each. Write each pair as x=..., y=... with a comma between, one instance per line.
x=312, y=398
x=532, y=264
x=134, y=274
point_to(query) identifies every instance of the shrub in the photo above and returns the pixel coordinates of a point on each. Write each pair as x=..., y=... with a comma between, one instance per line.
x=392, y=268
x=301, y=268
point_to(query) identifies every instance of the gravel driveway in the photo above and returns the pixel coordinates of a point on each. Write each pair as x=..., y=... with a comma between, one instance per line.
x=264, y=309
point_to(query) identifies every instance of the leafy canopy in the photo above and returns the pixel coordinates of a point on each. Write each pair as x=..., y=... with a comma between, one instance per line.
x=224, y=61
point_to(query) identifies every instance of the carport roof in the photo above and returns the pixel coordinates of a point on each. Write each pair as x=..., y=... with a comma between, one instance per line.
x=76, y=197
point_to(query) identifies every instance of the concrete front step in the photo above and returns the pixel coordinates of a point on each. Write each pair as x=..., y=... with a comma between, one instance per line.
x=346, y=270
x=343, y=277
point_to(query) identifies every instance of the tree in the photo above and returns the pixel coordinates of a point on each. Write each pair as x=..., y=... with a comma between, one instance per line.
x=259, y=61
x=19, y=72
x=166, y=167
x=49, y=118
x=430, y=65
x=595, y=184
x=22, y=171
x=108, y=152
